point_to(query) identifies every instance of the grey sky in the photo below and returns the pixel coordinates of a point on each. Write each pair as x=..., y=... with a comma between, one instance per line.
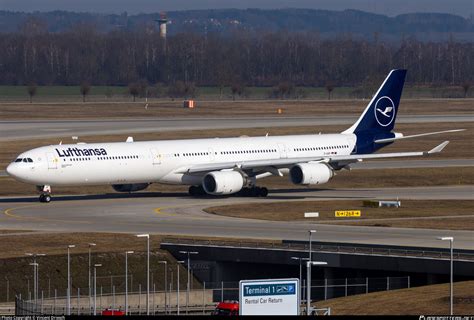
x=387, y=7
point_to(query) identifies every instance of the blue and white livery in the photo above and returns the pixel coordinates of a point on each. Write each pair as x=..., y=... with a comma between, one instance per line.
x=221, y=166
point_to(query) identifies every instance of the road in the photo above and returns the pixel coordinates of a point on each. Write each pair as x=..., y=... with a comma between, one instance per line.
x=34, y=129
x=179, y=214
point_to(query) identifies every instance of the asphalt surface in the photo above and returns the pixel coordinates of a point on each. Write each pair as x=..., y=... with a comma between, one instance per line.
x=179, y=214
x=34, y=129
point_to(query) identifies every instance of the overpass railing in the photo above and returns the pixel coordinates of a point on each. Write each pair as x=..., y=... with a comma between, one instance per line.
x=460, y=255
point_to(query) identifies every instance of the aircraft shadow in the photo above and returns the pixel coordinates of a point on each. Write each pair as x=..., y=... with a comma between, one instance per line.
x=277, y=194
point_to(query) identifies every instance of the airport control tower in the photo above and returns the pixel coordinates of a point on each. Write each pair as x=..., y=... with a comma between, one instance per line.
x=162, y=21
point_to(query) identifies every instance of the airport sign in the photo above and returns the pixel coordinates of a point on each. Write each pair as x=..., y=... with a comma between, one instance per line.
x=347, y=213
x=269, y=297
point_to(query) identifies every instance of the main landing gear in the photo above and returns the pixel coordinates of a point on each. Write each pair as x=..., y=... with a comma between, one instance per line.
x=245, y=192
x=45, y=195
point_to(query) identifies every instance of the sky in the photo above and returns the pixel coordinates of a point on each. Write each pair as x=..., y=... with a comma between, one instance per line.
x=387, y=7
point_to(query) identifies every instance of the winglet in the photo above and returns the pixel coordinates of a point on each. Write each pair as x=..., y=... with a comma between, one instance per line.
x=438, y=148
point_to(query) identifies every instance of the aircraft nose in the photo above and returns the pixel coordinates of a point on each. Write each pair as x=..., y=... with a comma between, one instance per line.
x=13, y=169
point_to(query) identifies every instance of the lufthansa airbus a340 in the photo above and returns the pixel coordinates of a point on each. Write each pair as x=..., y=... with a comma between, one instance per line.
x=221, y=166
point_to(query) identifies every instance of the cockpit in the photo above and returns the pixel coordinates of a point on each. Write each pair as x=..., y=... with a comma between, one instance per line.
x=24, y=160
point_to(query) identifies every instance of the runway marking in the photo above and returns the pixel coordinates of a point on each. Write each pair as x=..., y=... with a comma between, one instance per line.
x=8, y=212
x=160, y=211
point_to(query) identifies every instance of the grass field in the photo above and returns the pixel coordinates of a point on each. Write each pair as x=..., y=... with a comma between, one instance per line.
x=109, y=251
x=248, y=108
x=426, y=300
x=410, y=209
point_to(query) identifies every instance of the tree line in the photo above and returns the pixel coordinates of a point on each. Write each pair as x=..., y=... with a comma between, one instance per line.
x=186, y=60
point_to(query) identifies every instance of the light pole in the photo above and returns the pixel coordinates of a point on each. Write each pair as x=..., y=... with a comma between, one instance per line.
x=97, y=265
x=308, y=276
x=308, y=280
x=166, y=283
x=35, y=273
x=35, y=265
x=177, y=286
x=126, y=280
x=147, y=236
x=189, y=253
x=451, y=244
x=68, y=307
x=90, y=275
x=301, y=273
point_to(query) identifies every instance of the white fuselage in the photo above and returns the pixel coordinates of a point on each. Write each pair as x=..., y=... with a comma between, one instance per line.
x=162, y=161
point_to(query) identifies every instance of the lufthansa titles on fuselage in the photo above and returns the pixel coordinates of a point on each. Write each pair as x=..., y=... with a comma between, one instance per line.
x=71, y=152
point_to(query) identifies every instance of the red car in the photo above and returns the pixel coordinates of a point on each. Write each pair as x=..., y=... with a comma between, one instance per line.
x=113, y=312
x=227, y=308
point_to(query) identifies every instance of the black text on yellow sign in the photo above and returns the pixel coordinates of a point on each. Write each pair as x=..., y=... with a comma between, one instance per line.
x=347, y=213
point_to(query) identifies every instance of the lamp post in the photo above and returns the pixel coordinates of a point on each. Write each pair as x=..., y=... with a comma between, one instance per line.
x=126, y=280
x=308, y=276
x=90, y=275
x=35, y=265
x=147, y=236
x=308, y=280
x=166, y=283
x=451, y=244
x=35, y=273
x=177, y=286
x=68, y=307
x=188, y=253
x=301, y=273
x=97, y=265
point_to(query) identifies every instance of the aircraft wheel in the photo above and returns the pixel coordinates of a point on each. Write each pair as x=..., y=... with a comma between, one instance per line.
x=47, y=198
x=263, y=192
x=193, y=190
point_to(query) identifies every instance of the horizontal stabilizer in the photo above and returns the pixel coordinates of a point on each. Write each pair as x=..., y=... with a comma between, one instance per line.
x=439, y=148
x=415, y=136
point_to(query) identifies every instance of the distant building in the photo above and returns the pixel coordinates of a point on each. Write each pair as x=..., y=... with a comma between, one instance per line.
x=162, y=21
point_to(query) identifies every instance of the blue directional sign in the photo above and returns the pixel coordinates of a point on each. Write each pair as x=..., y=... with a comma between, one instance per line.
x=269, y=297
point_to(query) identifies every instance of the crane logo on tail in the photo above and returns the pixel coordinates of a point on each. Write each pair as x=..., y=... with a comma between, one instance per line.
x=384, y=111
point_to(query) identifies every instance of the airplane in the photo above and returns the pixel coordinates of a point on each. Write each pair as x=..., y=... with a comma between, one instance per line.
x=222, y=166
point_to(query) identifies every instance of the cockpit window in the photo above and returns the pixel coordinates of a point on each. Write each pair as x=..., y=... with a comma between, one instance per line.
x=30, y=160
x=25, y=160
x=19, y=160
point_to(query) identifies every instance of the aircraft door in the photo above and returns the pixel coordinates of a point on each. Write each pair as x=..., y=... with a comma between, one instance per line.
x=156, y=156
x=283, y=153
x=52, y=160
x=211, y=154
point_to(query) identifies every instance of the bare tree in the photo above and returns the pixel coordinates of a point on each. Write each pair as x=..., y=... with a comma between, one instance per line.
x=237, y=87
x=85, y=88
x=32, y=89
x=329, y=89
x=465, y=87
x=134, y=90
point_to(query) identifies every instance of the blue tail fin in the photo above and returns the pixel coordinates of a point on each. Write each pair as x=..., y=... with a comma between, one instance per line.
x=378, y=119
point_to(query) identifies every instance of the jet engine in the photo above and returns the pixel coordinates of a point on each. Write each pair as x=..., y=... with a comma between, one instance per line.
x=310, y=173
x=222, y=182
x=130, y=187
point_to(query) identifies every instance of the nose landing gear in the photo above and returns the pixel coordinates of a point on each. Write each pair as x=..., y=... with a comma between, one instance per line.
x=45, y=195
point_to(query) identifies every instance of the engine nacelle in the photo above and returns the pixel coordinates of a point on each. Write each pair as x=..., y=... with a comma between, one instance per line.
x=310, y=173
x=222, y=182
x=130, y=187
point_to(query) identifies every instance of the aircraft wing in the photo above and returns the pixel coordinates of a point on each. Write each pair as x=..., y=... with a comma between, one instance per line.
x=284, y=163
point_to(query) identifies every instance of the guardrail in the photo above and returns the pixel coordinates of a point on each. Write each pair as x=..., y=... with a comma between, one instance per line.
x=330, y=248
